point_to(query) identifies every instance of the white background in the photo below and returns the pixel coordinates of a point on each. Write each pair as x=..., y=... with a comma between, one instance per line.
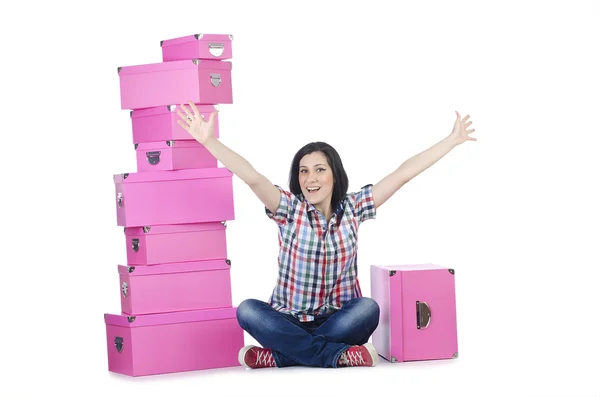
x=515, y=213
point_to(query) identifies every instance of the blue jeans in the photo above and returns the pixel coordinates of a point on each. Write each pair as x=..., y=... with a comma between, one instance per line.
x=317, y=343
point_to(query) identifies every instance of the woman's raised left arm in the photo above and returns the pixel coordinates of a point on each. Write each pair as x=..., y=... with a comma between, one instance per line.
x=415, y=165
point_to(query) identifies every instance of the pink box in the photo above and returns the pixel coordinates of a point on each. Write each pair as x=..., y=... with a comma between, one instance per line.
x=176, y=82
x=160, y=244
x=173, y=342
x=174, y=197
x=417, y=312
x=160, y=123
x=175, y=287
x=173, y=155
x=201, y=46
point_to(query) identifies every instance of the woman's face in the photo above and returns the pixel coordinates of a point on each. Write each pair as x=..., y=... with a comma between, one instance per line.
x=316, y=180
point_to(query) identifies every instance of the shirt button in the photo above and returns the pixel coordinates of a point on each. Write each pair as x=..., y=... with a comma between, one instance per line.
x=290, y=220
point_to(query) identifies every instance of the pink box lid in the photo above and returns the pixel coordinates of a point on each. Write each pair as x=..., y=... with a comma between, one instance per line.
x=159, y=110
x=175, y=228
x=410, y=267
x=175, y=65
x=145, y=320
x=197, y=37
x=179, y=267
x=177, y=143
x=172, y=175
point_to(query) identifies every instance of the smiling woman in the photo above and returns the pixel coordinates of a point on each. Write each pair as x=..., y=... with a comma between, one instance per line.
x=318, y=174
x=316, y=315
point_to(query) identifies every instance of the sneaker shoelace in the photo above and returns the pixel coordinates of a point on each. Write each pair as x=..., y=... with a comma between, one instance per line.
x=264, y=357
x=352, y=358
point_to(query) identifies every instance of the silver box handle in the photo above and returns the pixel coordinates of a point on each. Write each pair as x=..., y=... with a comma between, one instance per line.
x=135, y=244
x=423, y=315
x=215, y=79
x=120, y=199
x=153, y=158
x=119, y=343
x=216, y=49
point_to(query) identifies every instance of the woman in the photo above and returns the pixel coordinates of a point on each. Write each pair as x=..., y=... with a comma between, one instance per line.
x=316, y=315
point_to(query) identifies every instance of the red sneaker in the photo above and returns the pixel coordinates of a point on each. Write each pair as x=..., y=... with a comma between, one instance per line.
x=256, y=357
x=359, y=356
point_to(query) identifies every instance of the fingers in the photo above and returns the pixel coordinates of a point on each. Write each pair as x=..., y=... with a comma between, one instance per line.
x=185, y=117
x=195, y=109
x=184, y=125
x=187, y=112
x=461, y=126
x=182, y=107
x=189, y=117
x=211, y=119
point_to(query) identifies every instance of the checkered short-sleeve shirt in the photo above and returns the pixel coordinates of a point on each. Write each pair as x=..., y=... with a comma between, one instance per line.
x=317, y=259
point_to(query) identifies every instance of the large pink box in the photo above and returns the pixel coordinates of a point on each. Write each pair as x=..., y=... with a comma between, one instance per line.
x=201, y=46
x=174, y=197
x=176, y=82
x=160, y=244
x=175, y=287
x=173, y=155
x=160, y=123
x=173, y=342
x=417, y=312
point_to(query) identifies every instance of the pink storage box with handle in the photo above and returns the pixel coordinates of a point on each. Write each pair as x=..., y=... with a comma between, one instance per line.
x=201, y=46
x=177, y=82
x=152, y=245
x=173, y=155
x=417, y=312
x=160, y=123
x=175, y=287
x=174, y=197
x=173, y=342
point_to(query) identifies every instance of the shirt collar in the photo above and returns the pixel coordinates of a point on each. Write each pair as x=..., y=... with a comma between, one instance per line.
x=339, y=207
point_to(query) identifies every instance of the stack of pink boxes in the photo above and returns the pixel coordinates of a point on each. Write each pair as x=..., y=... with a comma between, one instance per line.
x=176, y=301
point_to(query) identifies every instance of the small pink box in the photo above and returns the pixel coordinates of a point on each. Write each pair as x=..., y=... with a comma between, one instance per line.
x=417, y=312
x=167, y=83
x=175, y=287
x=173, y=342
x=174, y=197
x=201, y=46
x=160, y=123
x=173, y=155
x=160, y=244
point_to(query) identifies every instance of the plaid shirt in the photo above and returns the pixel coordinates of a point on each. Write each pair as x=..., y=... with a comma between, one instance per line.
x=317, y=260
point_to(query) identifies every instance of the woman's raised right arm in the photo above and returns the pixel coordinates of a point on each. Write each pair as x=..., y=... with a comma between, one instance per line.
x=266, y=192
x=203, y=130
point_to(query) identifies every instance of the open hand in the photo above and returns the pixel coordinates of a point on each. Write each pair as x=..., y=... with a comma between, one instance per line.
x=193, y=122
x=460, y=133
